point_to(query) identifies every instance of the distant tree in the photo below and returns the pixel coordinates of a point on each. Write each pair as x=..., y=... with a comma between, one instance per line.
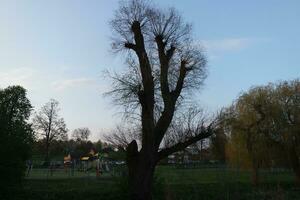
x=83, y=147
x=121, y=136
x=286, y=122
x=217, y=145
x=278, y=107
x=165, y=65
x=81, y=134
x=16, y=136
x=249, y=123
x=49, y=126
x=98, y=145
x=235, y=148
x=59, y=148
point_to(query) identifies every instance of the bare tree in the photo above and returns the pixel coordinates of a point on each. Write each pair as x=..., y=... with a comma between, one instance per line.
x=121, y=136
x=81, y=134
x=48, y=125
x=165, y=68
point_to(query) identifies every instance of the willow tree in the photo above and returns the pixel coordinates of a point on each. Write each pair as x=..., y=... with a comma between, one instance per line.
x=286, y=117
x=165, y=67
x=251, y=123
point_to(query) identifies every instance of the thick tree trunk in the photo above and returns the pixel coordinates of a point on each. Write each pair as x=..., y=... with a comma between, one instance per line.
x=140, y=181
x=47, y=153
x=141, y=167
x=295, y=164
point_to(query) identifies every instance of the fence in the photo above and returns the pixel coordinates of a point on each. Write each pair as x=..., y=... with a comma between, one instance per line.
x=57, y=169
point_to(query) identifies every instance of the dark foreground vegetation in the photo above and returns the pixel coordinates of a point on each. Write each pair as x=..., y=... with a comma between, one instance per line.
x=170, y=183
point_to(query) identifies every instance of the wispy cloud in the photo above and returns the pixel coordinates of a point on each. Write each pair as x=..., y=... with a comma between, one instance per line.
x=18, y=76
x=72, y=83
x=227, y=44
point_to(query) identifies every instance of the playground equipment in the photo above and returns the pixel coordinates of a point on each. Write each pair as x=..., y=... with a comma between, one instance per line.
x=94, y=161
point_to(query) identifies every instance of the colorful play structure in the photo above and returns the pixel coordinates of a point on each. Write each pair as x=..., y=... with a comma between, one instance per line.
x=90, y=162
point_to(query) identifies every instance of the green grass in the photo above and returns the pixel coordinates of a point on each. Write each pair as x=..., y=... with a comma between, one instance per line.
x=226, y=184
x=170, y=183
x=220, y=175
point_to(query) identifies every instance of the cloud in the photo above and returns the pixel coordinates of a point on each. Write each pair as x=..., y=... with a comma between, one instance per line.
x=226, y=45
x=72, y=83
x=18, y=76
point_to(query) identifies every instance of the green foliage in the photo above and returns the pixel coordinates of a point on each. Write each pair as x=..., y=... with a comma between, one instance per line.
x=218, y=143
x=286, y=113
x=61, y=148
x=117, y=155
x=98, y=145
x=81, y=148
x=16, y=136
x=264, y=125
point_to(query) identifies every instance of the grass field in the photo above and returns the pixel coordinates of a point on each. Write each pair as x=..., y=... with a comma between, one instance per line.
x=170, y=183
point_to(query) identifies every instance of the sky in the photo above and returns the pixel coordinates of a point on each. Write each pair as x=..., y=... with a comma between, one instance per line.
x=60, y=48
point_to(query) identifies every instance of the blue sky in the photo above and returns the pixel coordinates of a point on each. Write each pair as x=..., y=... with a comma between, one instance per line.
x=59, y=48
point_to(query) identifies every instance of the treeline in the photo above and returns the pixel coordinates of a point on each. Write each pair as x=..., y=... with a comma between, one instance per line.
x=27, y=135
x=52, y=141
x=261, y=129
x=76, y=148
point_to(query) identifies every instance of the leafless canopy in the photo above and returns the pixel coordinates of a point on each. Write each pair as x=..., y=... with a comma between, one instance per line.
x=81, y=134
x=165, y=67
x=48, y=125
x=47, y=122
x=121, y=136
x=176, y=64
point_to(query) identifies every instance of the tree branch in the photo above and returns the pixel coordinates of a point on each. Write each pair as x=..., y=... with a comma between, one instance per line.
x=147, y=97
x=164, y=67
x=163, y=123
x=130, y=46
x=170, y=52
x=203, y=133
x=180, y=81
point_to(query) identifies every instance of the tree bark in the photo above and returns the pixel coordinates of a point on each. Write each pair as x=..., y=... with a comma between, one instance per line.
x=141, y=167
x=295, y=164
x=47, y=153
x=140, y=181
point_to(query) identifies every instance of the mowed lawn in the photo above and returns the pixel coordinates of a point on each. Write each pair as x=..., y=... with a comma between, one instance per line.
x=170, y=183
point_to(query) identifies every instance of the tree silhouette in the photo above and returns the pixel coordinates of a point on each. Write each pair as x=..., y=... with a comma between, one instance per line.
x=16, y=138
x=81, y=134
x=165, y=68
x=48, y=125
